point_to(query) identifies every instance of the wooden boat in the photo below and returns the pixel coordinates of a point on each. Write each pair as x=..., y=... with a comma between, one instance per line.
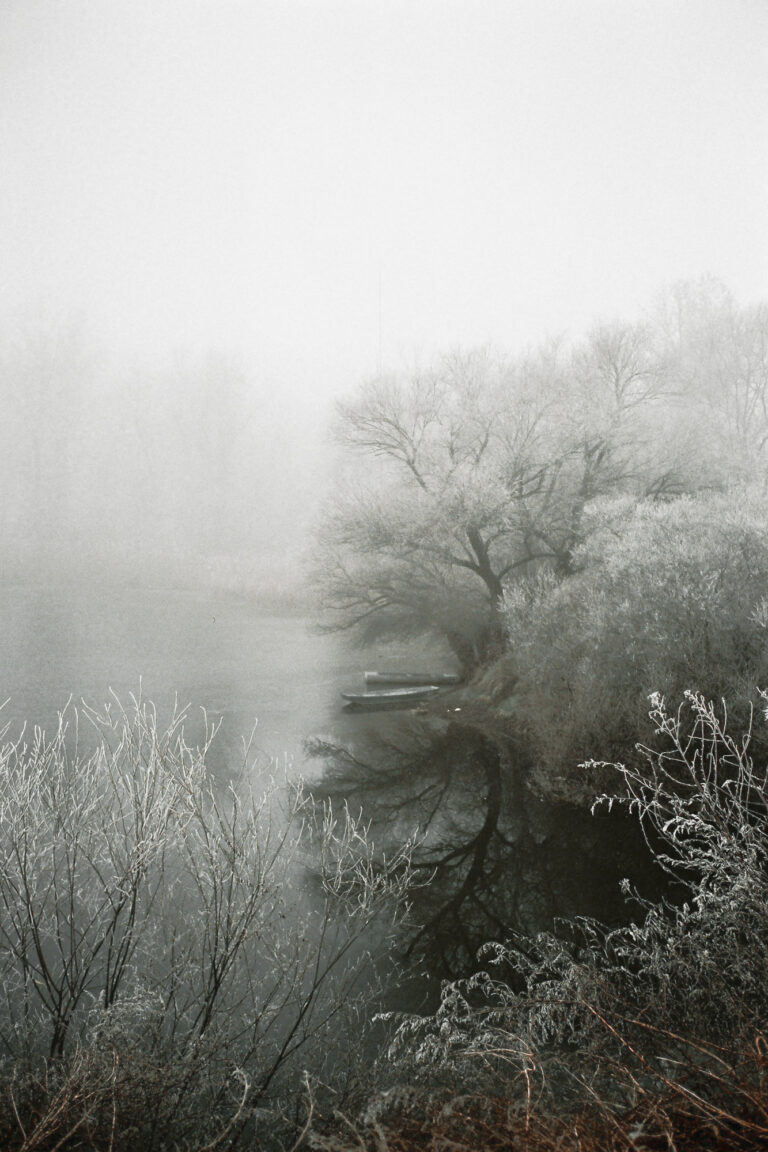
x=441, y=679
x=391, y=697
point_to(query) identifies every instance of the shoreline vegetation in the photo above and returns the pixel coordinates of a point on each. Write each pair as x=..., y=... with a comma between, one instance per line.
x=157, y=994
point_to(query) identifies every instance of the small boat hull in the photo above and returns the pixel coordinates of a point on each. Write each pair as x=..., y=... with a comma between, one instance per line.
x=439, y=679
x=391, y=697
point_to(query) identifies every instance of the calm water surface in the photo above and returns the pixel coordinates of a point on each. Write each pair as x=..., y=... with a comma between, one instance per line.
x=212, y=650
x=244, y=666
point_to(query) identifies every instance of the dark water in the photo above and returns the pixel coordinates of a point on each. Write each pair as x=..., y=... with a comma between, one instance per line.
x=495, y=856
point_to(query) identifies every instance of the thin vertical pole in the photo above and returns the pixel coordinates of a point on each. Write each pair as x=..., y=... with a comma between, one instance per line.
x=378, y=362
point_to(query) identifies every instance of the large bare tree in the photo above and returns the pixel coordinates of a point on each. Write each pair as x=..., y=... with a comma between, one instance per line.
x=475, y=472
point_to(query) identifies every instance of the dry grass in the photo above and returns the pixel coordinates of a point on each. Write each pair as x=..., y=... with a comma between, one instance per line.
x=674, y=1117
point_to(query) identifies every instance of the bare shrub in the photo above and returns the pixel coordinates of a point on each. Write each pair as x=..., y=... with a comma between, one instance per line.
x=172, y=950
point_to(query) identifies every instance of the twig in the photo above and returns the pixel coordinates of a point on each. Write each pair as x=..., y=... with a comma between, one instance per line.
x=308, y=1121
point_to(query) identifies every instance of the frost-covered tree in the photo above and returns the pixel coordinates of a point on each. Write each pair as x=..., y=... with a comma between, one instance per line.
x=668, y=595
x=478, y=471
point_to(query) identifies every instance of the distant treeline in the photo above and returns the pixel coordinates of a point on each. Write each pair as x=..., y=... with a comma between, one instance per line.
x=191, y=474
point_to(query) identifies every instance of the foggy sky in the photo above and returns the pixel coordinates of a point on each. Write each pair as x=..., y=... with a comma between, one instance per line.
x=319, y=185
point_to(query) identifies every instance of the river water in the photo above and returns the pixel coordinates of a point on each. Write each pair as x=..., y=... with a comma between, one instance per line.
x=213, y=651
x=245, y=667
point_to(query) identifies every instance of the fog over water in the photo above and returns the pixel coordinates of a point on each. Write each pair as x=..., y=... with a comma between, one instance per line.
x=264, y=676
x=217, y=217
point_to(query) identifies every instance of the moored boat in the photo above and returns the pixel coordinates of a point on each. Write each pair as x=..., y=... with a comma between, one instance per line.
x=440, y=679
x=391, y=697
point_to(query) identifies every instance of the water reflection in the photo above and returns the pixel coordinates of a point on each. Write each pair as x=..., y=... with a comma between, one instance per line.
x=498, y=857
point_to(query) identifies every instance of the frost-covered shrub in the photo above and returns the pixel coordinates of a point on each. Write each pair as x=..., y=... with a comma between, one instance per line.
x=667, y=596
x=165, y=963
x=676, y=1003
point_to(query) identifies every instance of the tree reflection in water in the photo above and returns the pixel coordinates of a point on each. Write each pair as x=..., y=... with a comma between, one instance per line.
x=500, y=858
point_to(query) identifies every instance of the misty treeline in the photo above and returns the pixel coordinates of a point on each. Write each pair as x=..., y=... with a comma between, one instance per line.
x=190, y=472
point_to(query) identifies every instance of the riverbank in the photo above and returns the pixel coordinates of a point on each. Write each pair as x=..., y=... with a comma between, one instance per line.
x=490, y=702
x=588, y=1039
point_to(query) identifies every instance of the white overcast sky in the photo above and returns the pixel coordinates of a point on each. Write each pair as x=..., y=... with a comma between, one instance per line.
x=299, y=181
